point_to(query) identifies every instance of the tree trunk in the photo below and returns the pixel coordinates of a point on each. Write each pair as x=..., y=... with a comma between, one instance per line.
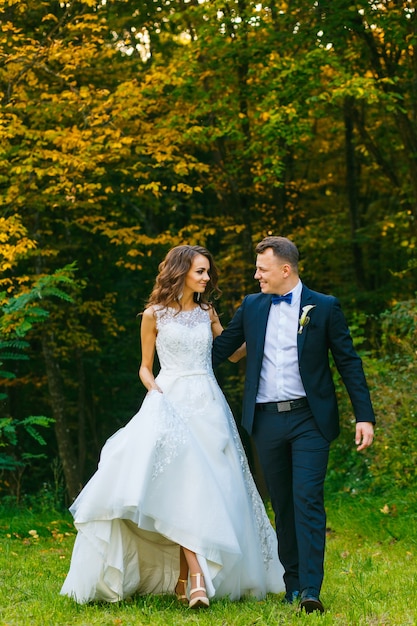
x=352, y=189
x=82, y=451
x=62, y=432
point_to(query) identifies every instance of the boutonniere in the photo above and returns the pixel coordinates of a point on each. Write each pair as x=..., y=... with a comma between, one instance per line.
x=304, y=318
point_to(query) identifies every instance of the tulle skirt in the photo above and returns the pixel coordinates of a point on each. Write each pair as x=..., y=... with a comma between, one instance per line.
x=173, y=477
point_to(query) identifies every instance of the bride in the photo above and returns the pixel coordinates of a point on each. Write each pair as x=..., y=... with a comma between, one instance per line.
x=172, y=507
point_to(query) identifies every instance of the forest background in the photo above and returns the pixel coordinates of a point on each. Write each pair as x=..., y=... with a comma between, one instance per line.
x=131, y=126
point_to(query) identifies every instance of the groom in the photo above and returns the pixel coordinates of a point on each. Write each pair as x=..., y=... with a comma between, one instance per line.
x=290, y=406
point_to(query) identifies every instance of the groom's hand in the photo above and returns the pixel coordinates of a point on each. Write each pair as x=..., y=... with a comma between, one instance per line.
x=364, y=435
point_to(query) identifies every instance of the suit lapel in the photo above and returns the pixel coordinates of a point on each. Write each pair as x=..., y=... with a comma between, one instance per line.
x=306, y=298
x=261, y=321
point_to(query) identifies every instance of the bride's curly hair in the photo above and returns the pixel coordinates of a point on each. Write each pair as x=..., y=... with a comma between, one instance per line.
x=169, y=283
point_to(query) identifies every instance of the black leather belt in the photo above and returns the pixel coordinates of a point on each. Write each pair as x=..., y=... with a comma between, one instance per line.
x=285, y=405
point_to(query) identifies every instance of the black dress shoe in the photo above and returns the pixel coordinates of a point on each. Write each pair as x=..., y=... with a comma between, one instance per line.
x=311, y=603
x=291, y=597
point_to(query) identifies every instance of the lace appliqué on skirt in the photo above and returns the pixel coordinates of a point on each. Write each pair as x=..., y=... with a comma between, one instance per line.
x=266, y=537
x=171, y=435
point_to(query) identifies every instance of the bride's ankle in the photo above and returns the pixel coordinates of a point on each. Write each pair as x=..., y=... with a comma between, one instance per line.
x=181, y=590
x=197, y=580
x=198, y=593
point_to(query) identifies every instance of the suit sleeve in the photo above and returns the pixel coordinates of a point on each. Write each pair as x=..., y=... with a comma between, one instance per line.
x=231, y=338
x=349, y=365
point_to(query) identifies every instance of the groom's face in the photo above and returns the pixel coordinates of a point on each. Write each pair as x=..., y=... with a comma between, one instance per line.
x=272, y=273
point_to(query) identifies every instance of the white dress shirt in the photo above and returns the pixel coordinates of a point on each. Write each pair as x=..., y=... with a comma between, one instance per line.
x=280, y=375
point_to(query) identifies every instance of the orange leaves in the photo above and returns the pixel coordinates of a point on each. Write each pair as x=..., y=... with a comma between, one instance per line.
x=153, y=187
x=14, y=244
x=50, y=17
x=389, y=510
x=182, y=188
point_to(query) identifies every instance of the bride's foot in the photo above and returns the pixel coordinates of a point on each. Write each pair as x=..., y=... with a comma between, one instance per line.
x=198, y=594
x=181, y=590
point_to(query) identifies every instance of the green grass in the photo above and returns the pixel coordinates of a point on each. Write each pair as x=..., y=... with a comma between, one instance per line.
x=371, y=575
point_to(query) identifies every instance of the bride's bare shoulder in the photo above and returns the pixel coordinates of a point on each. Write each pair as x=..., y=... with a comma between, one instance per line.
x=149, y=313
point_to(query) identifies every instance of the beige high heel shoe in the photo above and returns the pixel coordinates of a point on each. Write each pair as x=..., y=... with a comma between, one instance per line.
x=181, y=597
x=200, y=601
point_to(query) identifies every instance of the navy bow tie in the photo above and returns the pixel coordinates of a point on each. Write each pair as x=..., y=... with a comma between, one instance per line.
x=287, y=298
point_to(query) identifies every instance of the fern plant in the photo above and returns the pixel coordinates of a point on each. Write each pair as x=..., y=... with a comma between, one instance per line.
x=18, y=314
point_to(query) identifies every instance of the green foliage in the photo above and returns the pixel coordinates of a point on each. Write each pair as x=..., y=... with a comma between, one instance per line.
x=392, y=459
x=9, y=429
x=395, y=455
x=130, y=127
x=18, y=315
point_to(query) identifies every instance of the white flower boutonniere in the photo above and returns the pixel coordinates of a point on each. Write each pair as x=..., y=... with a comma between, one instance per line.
x=304, y=318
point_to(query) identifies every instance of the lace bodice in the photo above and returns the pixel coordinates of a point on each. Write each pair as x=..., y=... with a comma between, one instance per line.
x=184, y=340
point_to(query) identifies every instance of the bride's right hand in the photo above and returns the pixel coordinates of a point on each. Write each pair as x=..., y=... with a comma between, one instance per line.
x=155, y=388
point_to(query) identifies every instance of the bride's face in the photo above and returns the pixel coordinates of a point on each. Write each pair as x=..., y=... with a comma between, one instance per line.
x=198, y=275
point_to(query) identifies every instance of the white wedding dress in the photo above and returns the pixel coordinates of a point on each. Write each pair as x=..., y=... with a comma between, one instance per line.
x=176, y=474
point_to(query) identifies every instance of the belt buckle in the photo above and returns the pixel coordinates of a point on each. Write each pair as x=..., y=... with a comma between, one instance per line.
x=284, y=406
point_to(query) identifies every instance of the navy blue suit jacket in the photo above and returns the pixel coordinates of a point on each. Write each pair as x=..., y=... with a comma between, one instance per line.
x=327, y=332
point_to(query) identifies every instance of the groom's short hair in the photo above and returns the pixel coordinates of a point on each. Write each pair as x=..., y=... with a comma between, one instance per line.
x=282, y=248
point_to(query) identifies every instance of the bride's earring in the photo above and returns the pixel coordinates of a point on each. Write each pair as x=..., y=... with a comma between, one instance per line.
x=198, y=297
x=179, y=297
